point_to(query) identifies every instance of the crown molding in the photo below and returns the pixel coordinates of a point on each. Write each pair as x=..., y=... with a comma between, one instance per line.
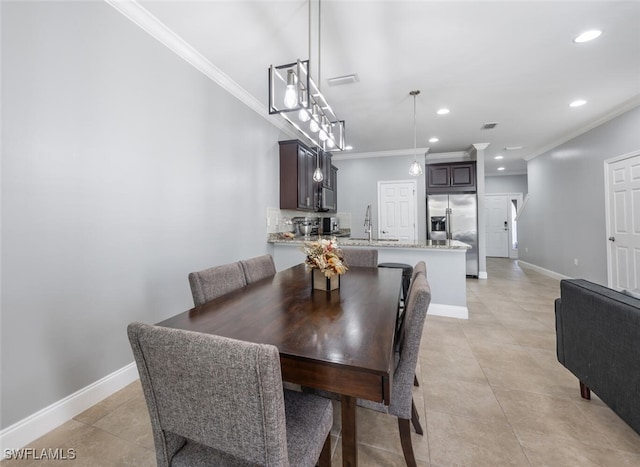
x=342, y=156
x=623, y=108
x=508, y=174
x=480, y=146
x=142, y=18
x=448, y=156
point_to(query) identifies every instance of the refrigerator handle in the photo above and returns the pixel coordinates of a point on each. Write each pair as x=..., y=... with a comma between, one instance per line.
x=448, y=221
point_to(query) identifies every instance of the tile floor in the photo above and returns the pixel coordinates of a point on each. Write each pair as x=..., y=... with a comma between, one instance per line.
x=491, y=394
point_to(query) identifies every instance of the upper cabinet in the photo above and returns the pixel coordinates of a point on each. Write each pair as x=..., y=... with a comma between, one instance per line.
x=297, y=189
x=325, y=165
x=451, y=177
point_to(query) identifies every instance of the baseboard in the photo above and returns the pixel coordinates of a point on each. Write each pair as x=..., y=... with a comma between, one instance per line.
x=450, y=311
x=34, y=426
x=544, y=271
x=483, y=275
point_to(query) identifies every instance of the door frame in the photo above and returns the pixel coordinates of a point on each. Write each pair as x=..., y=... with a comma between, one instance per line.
x=607, y=211
x=414, y=184
x=512, y=252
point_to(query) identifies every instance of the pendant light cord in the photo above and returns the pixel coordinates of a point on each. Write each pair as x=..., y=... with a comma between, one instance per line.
x=415, y=131
x=319, y=42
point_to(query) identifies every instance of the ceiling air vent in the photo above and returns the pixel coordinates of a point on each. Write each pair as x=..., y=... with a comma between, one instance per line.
x=489, y=126
x=347, y=79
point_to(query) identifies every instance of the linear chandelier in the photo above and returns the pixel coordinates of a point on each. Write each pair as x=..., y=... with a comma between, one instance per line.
x=292, y=91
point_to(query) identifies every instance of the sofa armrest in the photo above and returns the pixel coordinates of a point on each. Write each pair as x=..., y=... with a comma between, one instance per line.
x=598, y=337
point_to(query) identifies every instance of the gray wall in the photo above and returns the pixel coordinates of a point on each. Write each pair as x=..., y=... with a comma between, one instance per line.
x=506, y=184
x=123, y=169
x=565, y=215
x=358, y=186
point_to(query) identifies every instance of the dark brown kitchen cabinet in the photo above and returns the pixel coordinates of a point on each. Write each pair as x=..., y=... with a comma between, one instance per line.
x=451, y=177
x=325, y=165
x=297, y=189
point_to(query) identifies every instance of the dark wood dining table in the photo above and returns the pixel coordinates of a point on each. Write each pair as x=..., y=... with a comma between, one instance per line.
x=339, y=341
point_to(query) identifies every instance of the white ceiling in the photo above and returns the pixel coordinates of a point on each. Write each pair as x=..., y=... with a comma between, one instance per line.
x=511, y=62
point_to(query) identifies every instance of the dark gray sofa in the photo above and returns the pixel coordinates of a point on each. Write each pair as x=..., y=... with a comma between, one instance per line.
x=598, y=340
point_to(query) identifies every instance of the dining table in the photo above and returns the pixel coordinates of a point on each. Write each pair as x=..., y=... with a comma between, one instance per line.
x=340, y=341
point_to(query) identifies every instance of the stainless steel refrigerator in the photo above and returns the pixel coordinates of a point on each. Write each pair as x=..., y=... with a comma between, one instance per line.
x=455, y=217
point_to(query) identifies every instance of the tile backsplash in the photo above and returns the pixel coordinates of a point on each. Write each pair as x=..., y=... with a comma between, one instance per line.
x=279, y=220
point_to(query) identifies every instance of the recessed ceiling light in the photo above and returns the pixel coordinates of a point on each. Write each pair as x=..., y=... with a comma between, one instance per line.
x=433, y=140
x=588, y=36
x=443, y=112
x=578, y=103
x=500, y=168
x=498, y=157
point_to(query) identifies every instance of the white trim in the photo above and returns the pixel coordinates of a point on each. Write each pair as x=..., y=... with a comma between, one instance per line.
x=35, y=425
x=483, y=275
x=343, y=156
x=607, y=211
x=544, y=271
x=506, y=174
x=625, y=107
x=414, y=184
x=141, y=17
x=435, y=157
x=449, y=311
x=524, y=203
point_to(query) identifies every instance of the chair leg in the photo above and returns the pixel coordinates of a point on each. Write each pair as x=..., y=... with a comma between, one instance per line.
x=585, y=392
x=325, y=455
x=415, y=380
x=415, y=419
x=405, y=440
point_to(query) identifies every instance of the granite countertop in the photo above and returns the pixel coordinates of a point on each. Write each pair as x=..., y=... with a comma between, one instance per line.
x=348, y=241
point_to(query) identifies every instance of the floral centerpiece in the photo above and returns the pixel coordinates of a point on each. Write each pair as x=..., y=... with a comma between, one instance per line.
x=326, y=261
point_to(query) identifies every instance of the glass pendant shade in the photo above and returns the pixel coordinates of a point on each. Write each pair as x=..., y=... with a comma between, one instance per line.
x=330, y=142
x=291, y=95
x=303, y=115
x=314, y=126
x=317, y=175
x=415, y=169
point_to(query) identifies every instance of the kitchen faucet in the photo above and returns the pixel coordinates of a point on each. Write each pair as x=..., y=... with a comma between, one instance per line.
x=367, y=222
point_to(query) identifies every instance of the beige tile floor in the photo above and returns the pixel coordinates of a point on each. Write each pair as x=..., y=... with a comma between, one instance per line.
x=491, y=394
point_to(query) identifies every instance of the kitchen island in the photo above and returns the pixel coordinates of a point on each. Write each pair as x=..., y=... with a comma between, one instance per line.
x=445, y=260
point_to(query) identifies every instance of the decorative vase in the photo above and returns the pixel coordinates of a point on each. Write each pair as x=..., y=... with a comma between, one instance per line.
x=320, y=282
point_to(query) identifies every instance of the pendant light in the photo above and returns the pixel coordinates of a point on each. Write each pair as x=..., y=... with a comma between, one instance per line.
x=318, y=176
x=415, y=169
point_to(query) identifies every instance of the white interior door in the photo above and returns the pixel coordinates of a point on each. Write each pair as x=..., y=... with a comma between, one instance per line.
x=623, y=199
x=497, y=231
x=397, y=210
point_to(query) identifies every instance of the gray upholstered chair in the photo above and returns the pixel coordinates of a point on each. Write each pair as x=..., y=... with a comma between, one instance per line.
x=402, y=405
x=419, y=268
x=258, y=268
x=364, y=257
x=215, y=401
x=213, y=282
